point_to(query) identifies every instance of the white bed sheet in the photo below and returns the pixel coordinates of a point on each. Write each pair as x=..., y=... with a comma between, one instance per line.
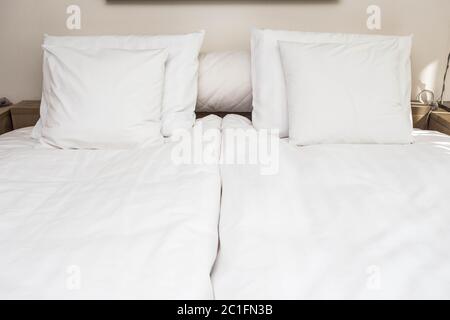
x=337, y=222
x=105, y=224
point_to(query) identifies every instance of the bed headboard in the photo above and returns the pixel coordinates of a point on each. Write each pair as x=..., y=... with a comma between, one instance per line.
x=199, y=115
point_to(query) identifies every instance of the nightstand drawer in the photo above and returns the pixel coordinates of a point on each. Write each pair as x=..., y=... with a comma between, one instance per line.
x=25, y=114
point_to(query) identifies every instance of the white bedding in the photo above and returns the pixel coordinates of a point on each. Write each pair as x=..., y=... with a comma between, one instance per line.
x=338, y=221
x=105, y=224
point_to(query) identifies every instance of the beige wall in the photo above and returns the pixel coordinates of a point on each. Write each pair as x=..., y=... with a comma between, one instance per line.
x=23, y=22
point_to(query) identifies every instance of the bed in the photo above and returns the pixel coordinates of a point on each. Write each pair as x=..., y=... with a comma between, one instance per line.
x=336, y=222
x=106, y=224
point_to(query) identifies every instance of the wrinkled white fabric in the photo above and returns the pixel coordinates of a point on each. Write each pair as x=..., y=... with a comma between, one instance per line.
x=338, y=222
x=104, y=224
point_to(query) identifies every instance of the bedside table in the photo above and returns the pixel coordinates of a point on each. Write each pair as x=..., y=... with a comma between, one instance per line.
x=440, y=121
x=420, y=114
x=5, y=120
x=25, y=113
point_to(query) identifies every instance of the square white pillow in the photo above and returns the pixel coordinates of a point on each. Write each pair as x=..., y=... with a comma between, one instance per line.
x=102, y=98
x=269, y=92
x=180, y=90
x=347, y=93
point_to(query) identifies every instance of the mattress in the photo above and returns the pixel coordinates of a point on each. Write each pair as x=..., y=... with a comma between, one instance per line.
x=99, y=224
x=337, y=222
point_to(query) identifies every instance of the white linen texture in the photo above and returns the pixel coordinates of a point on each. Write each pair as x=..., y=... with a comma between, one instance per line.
x=106, y=224
x=181, y=75
x=269, y=90
x=102, y=98
x=347, y=221
x=347, y=93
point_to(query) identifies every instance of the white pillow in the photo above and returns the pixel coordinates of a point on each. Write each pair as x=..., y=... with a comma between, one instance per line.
x=180, y=92
x=224, y=82
x=102, y=98
x=269, y=92
x=348, y=93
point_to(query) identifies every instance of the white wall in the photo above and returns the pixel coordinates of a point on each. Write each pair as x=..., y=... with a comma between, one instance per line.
x=23, y=22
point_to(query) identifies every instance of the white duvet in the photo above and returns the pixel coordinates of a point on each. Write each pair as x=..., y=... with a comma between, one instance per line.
x=338, y=221
x=105, y=224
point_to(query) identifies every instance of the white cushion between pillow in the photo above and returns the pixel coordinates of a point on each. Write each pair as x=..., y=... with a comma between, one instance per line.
x=224, y=82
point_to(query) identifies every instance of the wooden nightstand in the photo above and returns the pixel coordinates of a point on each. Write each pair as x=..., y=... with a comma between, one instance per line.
x=25, y=113
x=420, y=114
x=5, y=120
x=440, y=121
